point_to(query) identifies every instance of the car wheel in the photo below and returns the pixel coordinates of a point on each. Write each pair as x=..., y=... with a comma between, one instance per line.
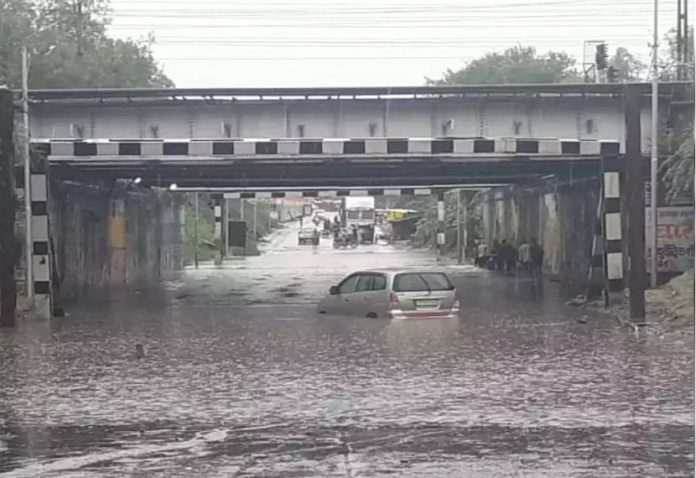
x=371, y=315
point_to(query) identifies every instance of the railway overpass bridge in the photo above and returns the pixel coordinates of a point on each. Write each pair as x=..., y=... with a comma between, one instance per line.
x=574, y=111
x=328, y=141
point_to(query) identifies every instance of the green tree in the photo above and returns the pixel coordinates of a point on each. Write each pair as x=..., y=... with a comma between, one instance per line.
x=69, y=47
x=428, y=224
x=679, y=168
x=669, y=64
x=515, y=65
x=627, y=66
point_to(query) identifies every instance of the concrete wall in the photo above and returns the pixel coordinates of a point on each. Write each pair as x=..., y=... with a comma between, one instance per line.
x=561, y=217
x=108, y=238
x=542, y=117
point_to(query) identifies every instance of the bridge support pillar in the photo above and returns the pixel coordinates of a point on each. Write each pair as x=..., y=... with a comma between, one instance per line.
x=117, y=240
x=612, y=229
x=596, y=278
x=42, y=249
x=9, y=250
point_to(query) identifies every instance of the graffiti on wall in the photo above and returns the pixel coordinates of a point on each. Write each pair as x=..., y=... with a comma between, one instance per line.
x=675, y=238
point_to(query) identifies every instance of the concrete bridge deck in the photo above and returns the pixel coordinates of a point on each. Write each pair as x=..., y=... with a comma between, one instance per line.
x=584, y=111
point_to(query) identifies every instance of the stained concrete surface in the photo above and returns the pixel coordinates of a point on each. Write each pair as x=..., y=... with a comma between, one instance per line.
x=242, y=378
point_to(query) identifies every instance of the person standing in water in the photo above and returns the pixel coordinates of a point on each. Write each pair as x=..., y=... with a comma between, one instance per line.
x=536, y=253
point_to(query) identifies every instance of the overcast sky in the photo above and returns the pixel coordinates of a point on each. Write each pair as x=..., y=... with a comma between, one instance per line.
x=247, y=43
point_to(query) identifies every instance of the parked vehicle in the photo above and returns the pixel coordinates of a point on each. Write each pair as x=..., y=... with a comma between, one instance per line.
x=395, y=294
x=308, y=236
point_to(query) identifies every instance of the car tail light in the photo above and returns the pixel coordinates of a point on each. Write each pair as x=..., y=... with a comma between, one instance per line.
x=393, y=300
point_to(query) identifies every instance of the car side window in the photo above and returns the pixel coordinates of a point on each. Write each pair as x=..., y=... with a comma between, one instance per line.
x=348, y=285
x=364, y=283
x=379, y=282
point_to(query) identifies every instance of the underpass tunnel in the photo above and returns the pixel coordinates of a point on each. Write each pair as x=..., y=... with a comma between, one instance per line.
x=113, y=236
x=117, y=222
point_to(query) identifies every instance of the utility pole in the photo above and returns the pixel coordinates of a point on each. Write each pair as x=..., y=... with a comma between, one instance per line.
x=652, y=240
x=226, y=227
x=29, y=263
x=195, y=230
x=8, y=245
x=633, y=162
x=460, y=257
x=683, y=41
x=465, y=225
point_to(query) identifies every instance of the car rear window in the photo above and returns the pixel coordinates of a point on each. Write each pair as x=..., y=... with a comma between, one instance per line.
x=424, y=281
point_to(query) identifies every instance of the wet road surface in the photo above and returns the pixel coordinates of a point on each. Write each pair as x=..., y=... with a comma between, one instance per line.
x=242, y=378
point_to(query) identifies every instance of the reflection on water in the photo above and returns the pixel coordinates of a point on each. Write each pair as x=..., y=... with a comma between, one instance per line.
x=515, y=386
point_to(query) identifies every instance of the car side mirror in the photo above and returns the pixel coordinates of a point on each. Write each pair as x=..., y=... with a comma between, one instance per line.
x=333, y=290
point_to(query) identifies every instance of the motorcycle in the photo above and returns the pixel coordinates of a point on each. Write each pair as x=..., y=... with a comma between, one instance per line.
x=345, y=241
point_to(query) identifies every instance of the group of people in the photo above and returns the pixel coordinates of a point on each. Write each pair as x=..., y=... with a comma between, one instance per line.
x=528, y=257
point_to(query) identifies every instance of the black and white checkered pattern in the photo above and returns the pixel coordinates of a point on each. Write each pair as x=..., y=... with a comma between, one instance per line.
x=41, y=247
x=329, y=193
x=612, y=228
x=217, y=210
x=58, y=149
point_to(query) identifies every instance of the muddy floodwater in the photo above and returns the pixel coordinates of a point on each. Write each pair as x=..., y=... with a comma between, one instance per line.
x=242, y=378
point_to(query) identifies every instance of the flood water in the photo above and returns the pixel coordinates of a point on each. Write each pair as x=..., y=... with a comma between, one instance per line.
x=242, y=378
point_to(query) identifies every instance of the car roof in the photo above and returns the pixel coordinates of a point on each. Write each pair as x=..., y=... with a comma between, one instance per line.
x=395, y=271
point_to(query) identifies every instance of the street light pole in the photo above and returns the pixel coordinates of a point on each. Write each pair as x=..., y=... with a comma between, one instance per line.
x=195, y=231
x=652, y=240
x=27, y=177
x=226, y=228
x=459, y=227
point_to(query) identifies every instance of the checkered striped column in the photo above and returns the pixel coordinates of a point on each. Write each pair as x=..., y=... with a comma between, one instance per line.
x=440, y=223
x=217, y=211
x=612, y=228
x=41, y=247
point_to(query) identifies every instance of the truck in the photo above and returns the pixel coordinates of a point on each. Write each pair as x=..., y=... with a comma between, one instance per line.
x=359, y=212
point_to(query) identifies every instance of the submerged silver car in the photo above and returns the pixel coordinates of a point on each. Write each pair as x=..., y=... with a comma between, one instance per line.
x=395, y=294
